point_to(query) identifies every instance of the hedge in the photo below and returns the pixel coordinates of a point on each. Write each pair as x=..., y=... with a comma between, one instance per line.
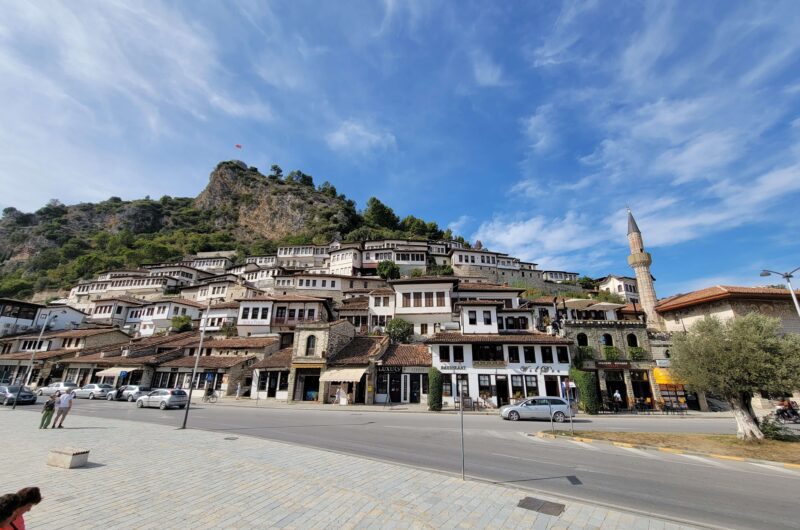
x=586, y=383
x=434, y=389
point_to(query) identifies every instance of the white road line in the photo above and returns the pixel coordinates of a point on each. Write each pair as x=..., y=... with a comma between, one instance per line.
x=585, y=446
x=647, y=454
x=706, y=461
x=777, y=468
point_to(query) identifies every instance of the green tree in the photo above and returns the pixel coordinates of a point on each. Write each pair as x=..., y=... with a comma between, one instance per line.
x=181, y=323
x=388, y=270
x=399, y=330
x=434, y=389
x=586, y=282
x=586, y=383
x=416, y=273
x=733, y=359
x=378, y=215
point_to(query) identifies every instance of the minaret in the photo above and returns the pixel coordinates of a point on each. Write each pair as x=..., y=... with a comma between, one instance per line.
x=640, y=261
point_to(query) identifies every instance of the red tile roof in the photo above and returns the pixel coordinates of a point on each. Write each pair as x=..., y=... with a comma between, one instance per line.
x=281, y=359
x=407, y=355
x=488, y=287
x=479, y=302
x=225, y=305
x=209, y=361
x=722, y=292
x=70, y=333
x=360, y=351
x=123, y=298
x=233, y=343
x=500, y=338
x=177, y=300
x=282, y=298
x=360, y=303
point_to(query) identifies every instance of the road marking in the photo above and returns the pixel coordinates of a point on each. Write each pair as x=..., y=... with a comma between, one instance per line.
x=776, y=468
x=535, y=438
x=526, y=459
x=726, y=457
x=585, y=445
x=648, y=454
x=703, y=460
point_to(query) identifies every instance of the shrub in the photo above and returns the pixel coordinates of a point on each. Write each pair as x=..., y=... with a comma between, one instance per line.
x=774, y=430
x=181, y=323
x=637, y=353
x=611, y=353
x=586, y=384
x=434, y=389
x=399, y=330
x=581, y=355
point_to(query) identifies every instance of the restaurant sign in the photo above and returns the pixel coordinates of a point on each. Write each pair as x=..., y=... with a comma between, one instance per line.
x=452, y=367
x=396, y=369
x=613, y=365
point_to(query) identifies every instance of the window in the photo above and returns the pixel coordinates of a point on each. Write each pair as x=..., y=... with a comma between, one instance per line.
x=264, y=313
x=513, y=354
x=531, y=386
x=444, y=354
x=582, y=339
x=547, y=354
x=428, y=299
x=299, y=314
x=333, y=283
x=487, y=318
x=440, y=299
x=383, y=383
x=523, y=322
x=517, y=390
x=447, y=387
x=462, y=380
x=633, y=341
x=529, y=353
x=377, y=301
x=458, y=354
x=561, y=353
x=473, y=318
x=484, y=384
x=606, y=340
x=310, y=314
x=311, y=345
x=406, y=299
x=500, y=323
x=313, y=283
x=245, y=313
x=487, y=352
x=385, y=301
x=417, y=299
x=423, y=329
x=292, y=313
x=324, y=283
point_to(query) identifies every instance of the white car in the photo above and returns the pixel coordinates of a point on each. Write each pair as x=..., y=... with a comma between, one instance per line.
x=52, y=388
x=164, y=398
x=93, y=391
x=540, y=408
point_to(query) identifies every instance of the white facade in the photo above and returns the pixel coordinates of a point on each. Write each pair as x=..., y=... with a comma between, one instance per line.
x=254, y=317
x=426, y=304
x=157, y=317
x=623, y=286
x=560, y=276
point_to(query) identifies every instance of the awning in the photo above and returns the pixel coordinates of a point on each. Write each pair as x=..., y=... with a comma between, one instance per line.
x=343, y=375
x=663, y=376
x=113, y=372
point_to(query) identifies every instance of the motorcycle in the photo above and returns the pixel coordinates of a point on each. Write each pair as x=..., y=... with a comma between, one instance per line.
x=787, y=414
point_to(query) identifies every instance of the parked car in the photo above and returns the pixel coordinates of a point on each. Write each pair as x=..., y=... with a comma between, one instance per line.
x=129, y=392
x=164, y=398
x=9, y=393
x=93, y=391
x=52, y=388
x=540, y=408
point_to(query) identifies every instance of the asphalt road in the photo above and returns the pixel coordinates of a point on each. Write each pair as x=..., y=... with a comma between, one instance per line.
x=692, y=489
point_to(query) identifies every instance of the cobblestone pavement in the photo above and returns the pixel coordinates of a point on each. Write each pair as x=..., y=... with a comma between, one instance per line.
x=152, y=476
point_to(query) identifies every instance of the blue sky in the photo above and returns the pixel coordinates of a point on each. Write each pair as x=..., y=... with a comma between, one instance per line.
x=527, y=125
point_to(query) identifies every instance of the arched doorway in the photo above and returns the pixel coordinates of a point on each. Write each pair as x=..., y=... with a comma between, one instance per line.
x=582, y=339
x=633, y=340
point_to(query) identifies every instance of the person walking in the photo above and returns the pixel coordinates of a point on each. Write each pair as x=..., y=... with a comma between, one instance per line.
x=28, y=498
x=62, y=408
x=617, y=400
x=9, y=503
x=238, y=390
x=47, y=412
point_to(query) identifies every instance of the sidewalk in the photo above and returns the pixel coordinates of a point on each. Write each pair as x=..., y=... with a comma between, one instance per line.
x=418, y=407
x=151, y=476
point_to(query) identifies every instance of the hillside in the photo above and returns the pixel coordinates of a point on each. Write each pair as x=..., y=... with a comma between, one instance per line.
x=240, y=209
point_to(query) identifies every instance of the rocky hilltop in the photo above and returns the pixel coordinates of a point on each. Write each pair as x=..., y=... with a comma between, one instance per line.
x=240, y=209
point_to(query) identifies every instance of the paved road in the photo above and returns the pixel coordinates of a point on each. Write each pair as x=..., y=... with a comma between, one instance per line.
x=681, y=487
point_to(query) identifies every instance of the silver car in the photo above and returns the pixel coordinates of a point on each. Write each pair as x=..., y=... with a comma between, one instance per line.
x=52, y=388
x=9, y=393
x=93, y=391
x=129, y=392
x=164, y=398
x=540, y=408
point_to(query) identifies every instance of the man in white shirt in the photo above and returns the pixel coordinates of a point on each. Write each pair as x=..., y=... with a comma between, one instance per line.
x=63, y=406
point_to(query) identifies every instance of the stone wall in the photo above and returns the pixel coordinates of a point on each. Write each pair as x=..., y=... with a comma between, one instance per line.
x=618, y=329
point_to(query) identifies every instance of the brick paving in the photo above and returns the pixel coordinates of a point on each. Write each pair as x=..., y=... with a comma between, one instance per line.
x=151, y=476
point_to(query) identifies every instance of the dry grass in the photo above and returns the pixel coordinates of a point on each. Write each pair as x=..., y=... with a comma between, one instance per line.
x=718, y=444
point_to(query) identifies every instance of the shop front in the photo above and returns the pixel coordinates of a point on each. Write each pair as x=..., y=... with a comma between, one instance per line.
x=306, y=382
x=270, y=379
x=348, y=384
x=673, y=393
x=632, y=380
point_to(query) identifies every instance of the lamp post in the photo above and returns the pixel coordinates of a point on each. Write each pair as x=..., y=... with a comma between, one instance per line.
x=33, y=353
x=787, y=277
x=196, y=362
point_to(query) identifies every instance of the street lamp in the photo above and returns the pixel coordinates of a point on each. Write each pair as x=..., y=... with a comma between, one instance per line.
x=196, y=362
x=33, y=353
x=787, y=276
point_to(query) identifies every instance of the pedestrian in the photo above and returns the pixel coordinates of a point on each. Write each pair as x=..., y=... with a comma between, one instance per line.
x=338, y=396
x=28, y=498
x=8, y=507
x=63, y=407
x=617, y=400
x=238, y=390
x=47, y=412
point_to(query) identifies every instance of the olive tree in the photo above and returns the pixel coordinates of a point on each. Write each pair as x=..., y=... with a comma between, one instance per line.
x=735, y=358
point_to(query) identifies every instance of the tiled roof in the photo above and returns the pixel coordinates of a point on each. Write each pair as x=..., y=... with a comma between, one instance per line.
x=123, y=298
x=280, y=359
x=69, y=333
x=382, y=290
x=629, y=309
x=425, y=279
x=488, y=287
x=720, y=292
x=548, y=300
x=479, y=302
x=225, y=305
x=407, y=355
x=128, y=360
x=359, y=351
x=500, y=338
x=282, y=298
x=39, y=356
x=208, y=361
x=233, y=343
x=176, y=300
x=360, y=303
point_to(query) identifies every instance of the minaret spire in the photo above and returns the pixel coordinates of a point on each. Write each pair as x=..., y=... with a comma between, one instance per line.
x=640, y=261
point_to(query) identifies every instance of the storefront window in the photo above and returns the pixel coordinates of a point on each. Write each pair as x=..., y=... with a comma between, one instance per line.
x=424, y=383
x=383, y=383
x=547, y=354
x=263, y=377
x=458, y=354
x=463, y=385
x=484, y=385
x=563, y=356
x=517, y=390
x=531, y=386
x=447, y=387
x=283, y=382
x=530, y=354
x=513, y=354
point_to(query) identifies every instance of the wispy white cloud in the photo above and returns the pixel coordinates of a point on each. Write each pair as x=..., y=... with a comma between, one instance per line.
x=539, y=129
x=486, y=71
x=459, y=224
x=358, y=137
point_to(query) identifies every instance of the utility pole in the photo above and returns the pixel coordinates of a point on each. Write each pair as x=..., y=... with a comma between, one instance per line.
x=33, y=355
x=196, y=362
x=787, y=277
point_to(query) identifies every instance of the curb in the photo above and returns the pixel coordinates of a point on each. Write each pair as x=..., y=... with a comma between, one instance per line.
x=772, y=463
